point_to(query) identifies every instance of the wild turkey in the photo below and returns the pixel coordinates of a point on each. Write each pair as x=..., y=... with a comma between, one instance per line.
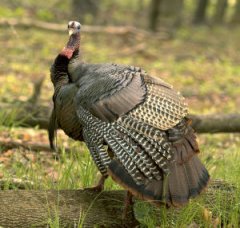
x=134, y=125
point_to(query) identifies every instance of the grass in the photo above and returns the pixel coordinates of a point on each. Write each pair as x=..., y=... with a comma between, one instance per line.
x=204, y=68
x=76, y=170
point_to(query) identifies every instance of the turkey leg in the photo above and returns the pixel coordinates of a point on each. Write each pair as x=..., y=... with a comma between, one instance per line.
x=100, y=186
x=128, y=206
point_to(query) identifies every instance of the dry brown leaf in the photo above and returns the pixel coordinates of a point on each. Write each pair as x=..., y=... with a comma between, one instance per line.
x=53, y=174
x=4, y=160
x=8, y=153
x=193, y=225
x=31, y=157
x=216, y=222
x=26, y=137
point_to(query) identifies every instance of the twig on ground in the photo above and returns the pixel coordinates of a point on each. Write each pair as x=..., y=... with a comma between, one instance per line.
x=8, y=144
x=11, y=144
x=133, y=50
x=36, y=91
x=15, y=183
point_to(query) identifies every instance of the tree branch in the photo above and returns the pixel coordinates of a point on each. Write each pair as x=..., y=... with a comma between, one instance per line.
x=114, y=30
x=36, y=91
x=11, y=144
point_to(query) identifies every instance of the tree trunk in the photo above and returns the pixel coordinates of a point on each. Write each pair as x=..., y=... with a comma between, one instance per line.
x=236, y=16
x=154, y=14
x=172, y=11
x=82, y=8
x=200, y=12
x=169, y=7
x=220, y=11
x=71, y=208
x=179, y=13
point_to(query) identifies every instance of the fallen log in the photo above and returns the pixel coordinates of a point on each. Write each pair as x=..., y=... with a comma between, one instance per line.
x=216, y=123
x=29, y=115
x=225, y=123
x=79, y=208
x=67, y=208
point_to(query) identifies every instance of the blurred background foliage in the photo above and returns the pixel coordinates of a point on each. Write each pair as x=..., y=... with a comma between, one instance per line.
x=141, y=13
x=195, y=46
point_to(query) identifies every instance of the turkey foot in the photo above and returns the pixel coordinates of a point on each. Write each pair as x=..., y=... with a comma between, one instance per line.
x=100, y=186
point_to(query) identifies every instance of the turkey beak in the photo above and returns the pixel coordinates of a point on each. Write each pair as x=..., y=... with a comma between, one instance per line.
x=70, y=31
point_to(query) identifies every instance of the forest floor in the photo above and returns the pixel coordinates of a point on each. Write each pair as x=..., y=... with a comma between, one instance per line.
x=202, y=63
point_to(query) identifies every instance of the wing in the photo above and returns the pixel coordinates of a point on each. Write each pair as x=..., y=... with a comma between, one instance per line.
x=65, y=112
x=163, y=107
x=111, y=91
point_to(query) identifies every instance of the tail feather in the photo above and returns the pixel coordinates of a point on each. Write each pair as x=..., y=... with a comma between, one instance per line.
x=159, y=151
x=187, y=181
x=98, y=152
x=186, y=147
x=141, y=149
x=121, y=145
x=156, y=154
x=188, y=177
x=177, y=185
x=180, y=185
x=191, y=138
x=52, y=126
x=124, y=153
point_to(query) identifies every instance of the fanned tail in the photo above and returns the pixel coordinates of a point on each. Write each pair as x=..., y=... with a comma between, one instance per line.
x=187, y=176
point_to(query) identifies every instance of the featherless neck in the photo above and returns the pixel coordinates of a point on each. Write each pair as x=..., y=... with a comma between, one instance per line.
x=59, y=70
x=72, y=46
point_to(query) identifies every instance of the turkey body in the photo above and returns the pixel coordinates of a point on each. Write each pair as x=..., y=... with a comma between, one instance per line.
x=142, y=120
x=134, y=125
